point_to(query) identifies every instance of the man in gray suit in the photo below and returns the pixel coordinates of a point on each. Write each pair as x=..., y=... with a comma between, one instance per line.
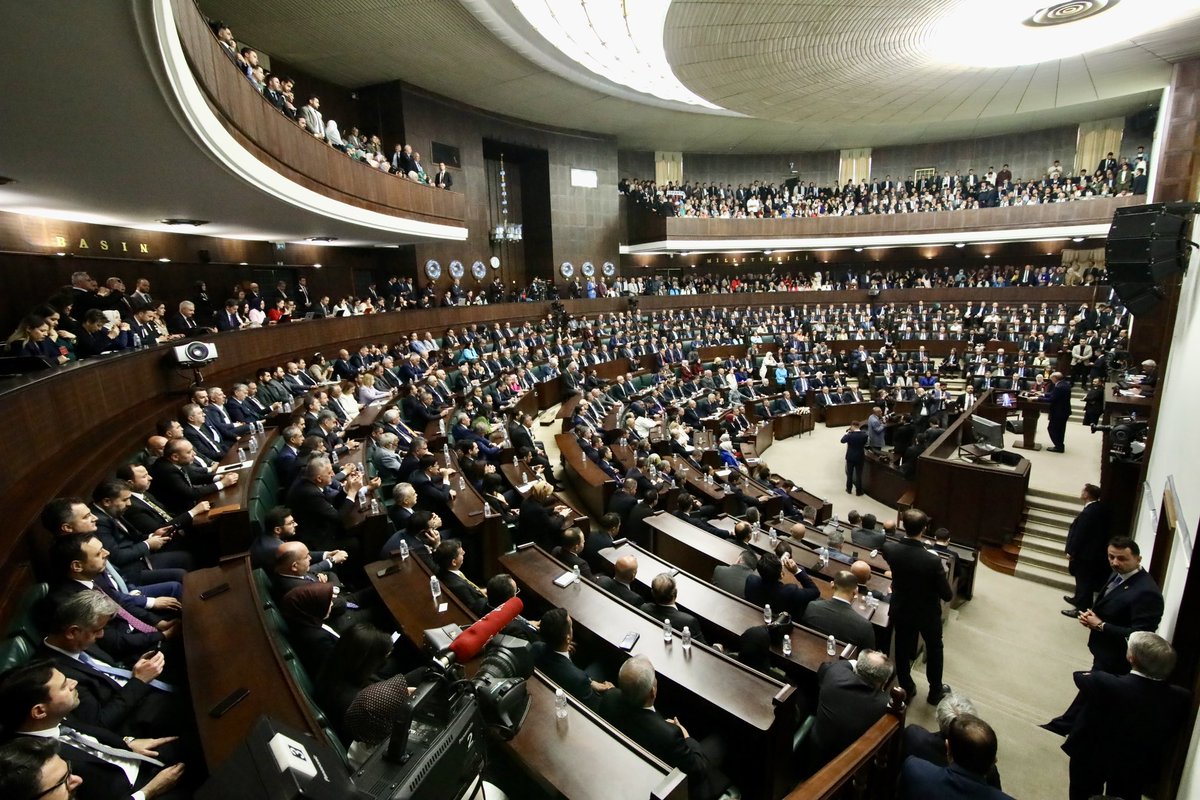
x=866, y=536
x=732, y=577
x=837, y=615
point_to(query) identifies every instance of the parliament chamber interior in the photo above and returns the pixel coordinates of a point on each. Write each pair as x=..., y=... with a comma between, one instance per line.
x=594, y=399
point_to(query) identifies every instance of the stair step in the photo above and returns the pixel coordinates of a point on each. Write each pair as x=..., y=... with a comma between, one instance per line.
x=1067, y=499
x=1047, y=561
x=1031, y=572
x=1041, y=544
x=1051, y=519
x=1045, y=531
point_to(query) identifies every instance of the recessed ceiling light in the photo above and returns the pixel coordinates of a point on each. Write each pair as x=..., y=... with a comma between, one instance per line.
x=321, y=239
x=243, y=263
x=858, y=249
x=60, y=254
x=318, y=266
x=960, y=245
x=1077, y=239
x=195, y=223
x=165, y=260
x=987, y=255
x=767, y=252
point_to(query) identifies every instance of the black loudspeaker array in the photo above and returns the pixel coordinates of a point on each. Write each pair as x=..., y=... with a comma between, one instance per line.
x=1146, y=246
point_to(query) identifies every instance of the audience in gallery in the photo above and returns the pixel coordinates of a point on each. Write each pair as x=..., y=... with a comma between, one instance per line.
x=869, y=196
x=279, y=91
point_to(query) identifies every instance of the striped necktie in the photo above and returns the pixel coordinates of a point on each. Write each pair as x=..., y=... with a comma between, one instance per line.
x=119, y=672
x=94, y=746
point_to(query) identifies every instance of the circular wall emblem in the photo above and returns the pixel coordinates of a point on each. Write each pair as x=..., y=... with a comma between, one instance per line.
x=433, y=270
x=456, y=269
x=588, y=269
x=567, y=269
x=478, y=270
x=608, y=268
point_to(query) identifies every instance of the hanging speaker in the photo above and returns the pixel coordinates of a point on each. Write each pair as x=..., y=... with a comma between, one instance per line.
x=1145, y=248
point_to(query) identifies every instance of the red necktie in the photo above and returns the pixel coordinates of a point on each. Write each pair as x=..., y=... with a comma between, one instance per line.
x=134, y=622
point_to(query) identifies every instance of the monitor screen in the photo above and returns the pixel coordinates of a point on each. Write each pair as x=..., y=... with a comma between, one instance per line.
x=986, y=432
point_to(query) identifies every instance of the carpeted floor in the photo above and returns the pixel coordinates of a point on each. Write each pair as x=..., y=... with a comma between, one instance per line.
x=1008, y=649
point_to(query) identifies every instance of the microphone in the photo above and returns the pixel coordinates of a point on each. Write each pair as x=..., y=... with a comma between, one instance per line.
x=468, y=643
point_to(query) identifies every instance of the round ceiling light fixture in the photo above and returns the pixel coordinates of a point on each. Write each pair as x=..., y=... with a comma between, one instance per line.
x=1034, y=31
x=1070, y=11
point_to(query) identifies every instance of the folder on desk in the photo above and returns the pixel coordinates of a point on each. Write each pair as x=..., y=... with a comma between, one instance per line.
x=234, y=467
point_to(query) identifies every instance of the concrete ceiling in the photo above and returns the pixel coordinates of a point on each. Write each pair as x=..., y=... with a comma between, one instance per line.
x=807, y=74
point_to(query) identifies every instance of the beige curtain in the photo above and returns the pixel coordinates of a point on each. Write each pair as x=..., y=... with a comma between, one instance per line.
x=855, y=165
x=668, y=167
x=1096, y=139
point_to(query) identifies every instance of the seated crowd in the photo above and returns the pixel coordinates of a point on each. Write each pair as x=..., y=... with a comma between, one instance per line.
x=946, y=192
x=279, y=91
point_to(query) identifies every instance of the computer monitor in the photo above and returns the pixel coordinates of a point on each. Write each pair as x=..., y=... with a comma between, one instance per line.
x=987, y=433
x=1006, y=399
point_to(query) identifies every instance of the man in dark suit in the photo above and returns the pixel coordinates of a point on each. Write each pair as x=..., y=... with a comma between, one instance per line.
x=432, y=484
x=499, y=590
x=35, y=703
x=766, y=586
x=140, y=558
x=732, y=577
x=1059, y=398
x=1087, y=551
x=866, y=535
x=240, y=408
x=206, y=439
x=570, y=551
x=146, y=513
x=850, y=699
x=554, y=659
x=636, y=529
x=177, y=487
x=667, y=739
x=855, y=440
x=601, y=537
x=971, y=751
x=449, y=557
x=623, y=499
x=837, y=615
x=621, y=583
x=32, y=768
x=1127, y=724
x=1130, y=601
x=663, y=594
x=919, y=586
x=931, y=745
x=228, y=320
x=521, y=435
x=318, y=507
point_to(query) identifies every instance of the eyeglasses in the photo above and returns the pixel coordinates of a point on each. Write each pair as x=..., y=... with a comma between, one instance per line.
x=62, y=782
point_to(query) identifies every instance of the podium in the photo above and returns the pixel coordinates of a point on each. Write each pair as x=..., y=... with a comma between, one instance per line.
x=1030, y=410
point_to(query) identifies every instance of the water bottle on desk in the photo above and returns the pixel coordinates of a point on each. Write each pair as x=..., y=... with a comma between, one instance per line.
x=560, y=704
x=253, y=443
x=514, y=460
x=667, y=631
x=686, y=638
x=375, y=505
x=578, y=574
x=831, y=645
x=823, y=557
x=774, y=540
x=404, y=550
x=435, y=588
x=787, y=645
x=767, y=615
x=241, y=454
x=446, y=453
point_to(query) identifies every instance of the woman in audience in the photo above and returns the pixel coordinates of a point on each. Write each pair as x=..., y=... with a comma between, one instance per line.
x=307, y=609
x=32, y=338
x=367, y=393
x=538, y=521
x=320, y=369
x=254, y=316
x=62, y=339
x=278, y=312
x=101, y=336
x=333, y=136
x=343, y=394
x=160, y=322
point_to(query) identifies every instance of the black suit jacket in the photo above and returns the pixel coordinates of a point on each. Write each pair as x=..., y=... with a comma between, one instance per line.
x=635, y=528
x=626, y=593
x=240, y=411
x=679, y=619
x=102, y=701
x=1135, y=605
x=648, y=728
x=176, y=488
x=846, y=707
x=103, y=781
x=931, y=746
x=145, y=520
x=463, y=591
x=621, y=504
x=918, y=583
x=839, y=618
x=318, y=517
x=782, y=596
x=1087, y=542
x=562, y=670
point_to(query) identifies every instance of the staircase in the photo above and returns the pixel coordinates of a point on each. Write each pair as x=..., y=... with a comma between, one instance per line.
x=1043, y=535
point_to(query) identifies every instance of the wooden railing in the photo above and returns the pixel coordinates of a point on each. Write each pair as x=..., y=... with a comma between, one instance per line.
x=299, y=156
x=646, y=226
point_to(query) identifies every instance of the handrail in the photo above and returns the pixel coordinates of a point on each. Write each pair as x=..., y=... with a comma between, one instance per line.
x=300, y=157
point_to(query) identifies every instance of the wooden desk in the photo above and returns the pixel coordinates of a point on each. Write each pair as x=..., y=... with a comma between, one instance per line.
x=1030, y=410
x=228, y=531
x=549, y=393
x=793, y=424
x=885, y=483
x=584, y=757
x=755, y=713
x=228, y=646
x=689, y=543
x=360, y=426
x=725, y=616
x=566, y=412
x=759, y=437
x=591, y=484
x=840, y=415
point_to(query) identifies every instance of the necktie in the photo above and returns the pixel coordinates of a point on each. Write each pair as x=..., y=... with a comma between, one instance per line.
x=119, y=672
x=133, y=622
x=116, y=578
x=155, y=507
x=96, y=747
x=1113, y=583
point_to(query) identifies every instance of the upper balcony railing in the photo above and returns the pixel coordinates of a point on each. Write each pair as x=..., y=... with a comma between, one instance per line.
x=280, y=144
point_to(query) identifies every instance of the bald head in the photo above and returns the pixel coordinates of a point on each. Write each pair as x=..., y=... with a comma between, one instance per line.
x=861, y=571
x=625, y=569
x=290, y=558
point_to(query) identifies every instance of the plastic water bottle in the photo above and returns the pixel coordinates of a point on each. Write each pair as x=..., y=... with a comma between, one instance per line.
x=685, y=638
x=253, y=444
x=667, y=631
x=374, y=505
x=831, y=645
x=442, y=426
x=560, y=704
x=241, y=454
x=524, y=476
x=787, y=645
x=514, y=460
x=774, y=539
x=446, y=453
x=578, y=575
x=404, y=550
x=823, y=555
x=362, y=499
x=833, y=521
x=767, y=615
x=462, y=484
x=435, y=588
